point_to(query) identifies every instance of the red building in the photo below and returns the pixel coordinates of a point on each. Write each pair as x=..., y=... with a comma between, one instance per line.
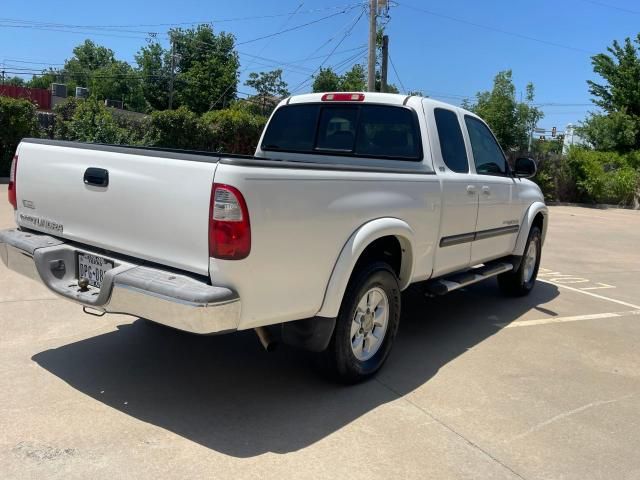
x=40, y=96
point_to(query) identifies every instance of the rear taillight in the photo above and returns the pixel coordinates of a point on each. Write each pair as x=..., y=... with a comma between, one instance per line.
x=13, y=197
x=229, y=228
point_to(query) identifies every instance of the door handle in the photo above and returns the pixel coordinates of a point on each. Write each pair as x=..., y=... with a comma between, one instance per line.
x=486, y=190
x=471, y=189
x=98, y=177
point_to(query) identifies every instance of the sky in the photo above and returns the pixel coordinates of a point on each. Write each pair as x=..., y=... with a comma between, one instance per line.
x=448, y=50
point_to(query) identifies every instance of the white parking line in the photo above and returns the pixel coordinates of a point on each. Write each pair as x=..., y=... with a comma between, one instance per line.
x=575, y=318
x=591, y=294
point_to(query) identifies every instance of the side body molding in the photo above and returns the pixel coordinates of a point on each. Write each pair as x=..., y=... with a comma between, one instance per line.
x=357, y=243
x=525, y=226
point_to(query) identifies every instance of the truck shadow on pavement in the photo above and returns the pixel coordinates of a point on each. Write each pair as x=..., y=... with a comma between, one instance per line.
x=226, y=393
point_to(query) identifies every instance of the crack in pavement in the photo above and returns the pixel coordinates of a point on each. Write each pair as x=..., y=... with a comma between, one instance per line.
x=564, y=415
x=452, y=430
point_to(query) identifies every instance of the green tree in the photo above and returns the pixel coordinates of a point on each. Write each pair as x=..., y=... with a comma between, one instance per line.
x=354, y=80
x=326, y=80
x=119, y=81
x=616, y=131
x=510, y=120
x=618, y=128
x=44, y=80
x=96, y=67
x=270, y=88
x=15, y=81
x=88, y=58
x=154, y=75
x=207, y=68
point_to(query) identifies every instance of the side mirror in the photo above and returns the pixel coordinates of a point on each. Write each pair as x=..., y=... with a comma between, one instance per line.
x=525, y=167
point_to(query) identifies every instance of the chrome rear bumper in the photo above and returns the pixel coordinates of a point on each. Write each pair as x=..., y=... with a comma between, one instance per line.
x=165, y=296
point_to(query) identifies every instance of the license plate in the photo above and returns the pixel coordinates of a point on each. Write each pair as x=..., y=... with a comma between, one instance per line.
x=93, y=268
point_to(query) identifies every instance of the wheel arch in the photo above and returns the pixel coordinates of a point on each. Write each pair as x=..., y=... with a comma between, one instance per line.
x=536, y=214
x=366, y=238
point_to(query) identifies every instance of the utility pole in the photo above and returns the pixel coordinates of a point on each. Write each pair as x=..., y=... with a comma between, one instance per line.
x=385, y=61
x=173, y=69
x=373, y=32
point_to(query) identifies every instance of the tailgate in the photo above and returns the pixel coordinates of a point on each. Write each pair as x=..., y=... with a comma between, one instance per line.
x=155, y=206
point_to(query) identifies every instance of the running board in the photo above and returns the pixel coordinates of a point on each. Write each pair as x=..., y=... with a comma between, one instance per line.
x=444, y=285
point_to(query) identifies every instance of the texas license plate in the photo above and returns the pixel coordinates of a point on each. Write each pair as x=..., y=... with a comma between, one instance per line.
x=93, y=268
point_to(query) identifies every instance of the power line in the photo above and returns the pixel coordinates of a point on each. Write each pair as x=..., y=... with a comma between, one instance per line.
x=614, y=7
x=397, y=76
x=253, y=61
x=201, y=22
x=344, y=37
x=495, y=29
x=297, y=27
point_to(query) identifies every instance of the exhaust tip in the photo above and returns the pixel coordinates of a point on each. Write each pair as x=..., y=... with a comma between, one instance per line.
x=266, y=339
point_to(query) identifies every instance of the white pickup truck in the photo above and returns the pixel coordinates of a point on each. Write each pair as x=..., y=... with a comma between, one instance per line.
x=348, y=200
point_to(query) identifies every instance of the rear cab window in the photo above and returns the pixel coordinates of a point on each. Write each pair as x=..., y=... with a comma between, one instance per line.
x=365, y=130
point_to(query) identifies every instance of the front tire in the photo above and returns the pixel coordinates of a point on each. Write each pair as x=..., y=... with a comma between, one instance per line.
x=520, y=282
x=366, y=325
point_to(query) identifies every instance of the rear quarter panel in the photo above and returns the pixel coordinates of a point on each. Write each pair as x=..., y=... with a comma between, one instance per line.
x=301, y=220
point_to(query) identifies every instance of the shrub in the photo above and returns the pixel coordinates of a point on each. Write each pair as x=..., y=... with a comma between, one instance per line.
x=17, y=120
x=603, y=177
x=93, y=122
x=235, y=129
x=179, y=128
x=64, y=114
x=555, y=178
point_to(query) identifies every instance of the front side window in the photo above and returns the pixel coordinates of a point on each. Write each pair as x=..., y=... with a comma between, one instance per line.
x=376, y=131
x=487, y=154
x=452, y=146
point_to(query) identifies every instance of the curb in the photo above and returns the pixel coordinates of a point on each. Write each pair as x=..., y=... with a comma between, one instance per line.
x=597, y=206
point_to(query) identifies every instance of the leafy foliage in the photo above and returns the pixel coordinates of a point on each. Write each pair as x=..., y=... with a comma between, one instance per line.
x=15, y=81
x=180, y=128
x=618, y=128
x=207, y=68
x=90, y=121
x=510, y=120
x=354, y=80
x=270, y=88
x=235, y=129
x=154, y=75
x=604, y=177
x=17, y=120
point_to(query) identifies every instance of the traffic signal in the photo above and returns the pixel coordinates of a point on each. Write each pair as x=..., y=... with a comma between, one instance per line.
x=542, y=138
x=553, y=132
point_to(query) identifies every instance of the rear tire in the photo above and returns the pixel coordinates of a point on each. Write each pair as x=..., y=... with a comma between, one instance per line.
x=366, y=325
x=520, y=282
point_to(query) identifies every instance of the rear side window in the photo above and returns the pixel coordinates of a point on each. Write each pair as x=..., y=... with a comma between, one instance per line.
x=292, y=128
x=487, y=154
x=452, y=146
x=377, y=131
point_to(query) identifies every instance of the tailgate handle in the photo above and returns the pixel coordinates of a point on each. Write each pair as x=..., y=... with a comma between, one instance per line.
x=98, y=177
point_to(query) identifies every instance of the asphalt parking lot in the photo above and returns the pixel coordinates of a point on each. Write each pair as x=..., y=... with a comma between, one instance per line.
x=477, y=386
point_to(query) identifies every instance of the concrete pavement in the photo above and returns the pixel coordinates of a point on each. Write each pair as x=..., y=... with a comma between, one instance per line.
x=477, y=386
